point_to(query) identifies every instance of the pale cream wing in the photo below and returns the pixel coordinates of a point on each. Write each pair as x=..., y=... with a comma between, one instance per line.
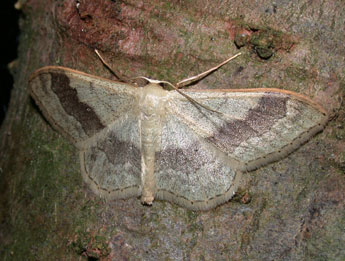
x=189, y=171
x=100, y=117
x=254, y=126
x=112, y=164
x=80, y=105
x=203, y=153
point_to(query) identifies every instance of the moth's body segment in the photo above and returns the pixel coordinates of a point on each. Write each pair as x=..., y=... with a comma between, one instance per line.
x=152, y=104
x=154, y=143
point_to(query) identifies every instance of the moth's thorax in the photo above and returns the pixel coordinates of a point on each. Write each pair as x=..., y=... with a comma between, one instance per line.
x=152, y=103
x=152, y=99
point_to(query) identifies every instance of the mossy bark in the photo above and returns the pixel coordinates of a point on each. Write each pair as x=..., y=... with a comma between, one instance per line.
x=289, y=210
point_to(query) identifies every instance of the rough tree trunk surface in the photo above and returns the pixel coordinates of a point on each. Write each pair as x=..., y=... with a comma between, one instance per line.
x=289, y=210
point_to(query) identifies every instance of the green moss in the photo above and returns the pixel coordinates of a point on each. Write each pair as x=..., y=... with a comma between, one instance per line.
x=240, y=193
x=297, y=73
x=264, y=40
x=263, y=44
x=326, y=243
x=191, y=218
x=90, y=245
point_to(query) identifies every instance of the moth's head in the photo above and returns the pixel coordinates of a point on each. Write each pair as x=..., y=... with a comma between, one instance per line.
x=138, y=81
x=146, y=82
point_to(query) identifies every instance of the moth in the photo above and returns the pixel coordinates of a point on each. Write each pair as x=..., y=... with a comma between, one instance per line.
x=150, y=142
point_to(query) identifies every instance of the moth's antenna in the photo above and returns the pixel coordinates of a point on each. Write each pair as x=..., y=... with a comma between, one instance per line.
x=189, y=80
x=117, y=74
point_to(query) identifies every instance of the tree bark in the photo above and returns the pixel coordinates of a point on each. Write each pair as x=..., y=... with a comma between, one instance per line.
x=289, y=210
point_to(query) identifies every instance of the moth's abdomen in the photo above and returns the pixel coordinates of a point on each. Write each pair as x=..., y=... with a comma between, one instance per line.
x=151, y=115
